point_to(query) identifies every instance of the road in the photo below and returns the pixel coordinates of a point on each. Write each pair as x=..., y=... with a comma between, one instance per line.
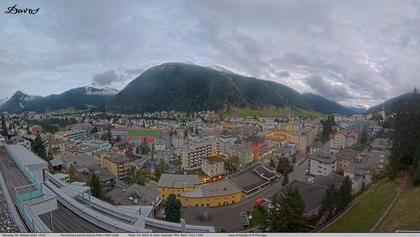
x=120, y=184
x=227, y=217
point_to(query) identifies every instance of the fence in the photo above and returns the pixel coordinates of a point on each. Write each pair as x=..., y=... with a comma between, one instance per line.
x=28, y=192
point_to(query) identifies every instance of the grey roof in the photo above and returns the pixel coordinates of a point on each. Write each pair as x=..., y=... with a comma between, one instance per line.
x=357, y=170
x=116, y=157
x=220, y=188
x=81, y=160
x=347, y=154
x=103, y=174
x=26, y=156
x=56, y=162
x=248, y=179
x=312, y=194
x=323, y=157
x=148, y=194
x=178, y=180
x=328, y=180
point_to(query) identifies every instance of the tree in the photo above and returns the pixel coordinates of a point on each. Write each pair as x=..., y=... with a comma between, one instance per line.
x=109, y=135
x=287, y=213
x=142, y=177
x=406, y=136
x=4, y=131
x=363, y=136
x=344, y=194
x=95, y=186
x=285, y=179
x=173, y=209
x=130, y=178
x=415, y=171
x=329, y=203
x=160, y=169
x=327, y=125
x=72, y=173
x=145, y=149
x=38, y=147
x=118, y=138
x=272, y=163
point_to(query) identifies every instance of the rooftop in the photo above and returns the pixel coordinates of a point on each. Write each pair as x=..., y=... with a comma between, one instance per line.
x=312, y=194
x=214, y=159
x=254, y=139
x=116, y=157
x=26, y=156
x=220, y=188
x=323, y=157
x=328, y=180
x=347, y=154
x=178, y=180
x=248, y=179
x=146, y=195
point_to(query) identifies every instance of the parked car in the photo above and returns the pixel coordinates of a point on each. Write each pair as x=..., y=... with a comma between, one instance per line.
x=260, y=201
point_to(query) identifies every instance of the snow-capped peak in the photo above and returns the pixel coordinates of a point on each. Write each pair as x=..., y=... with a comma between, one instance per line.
x=95, y=89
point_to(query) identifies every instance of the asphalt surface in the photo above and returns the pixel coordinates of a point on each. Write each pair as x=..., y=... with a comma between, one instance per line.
x=228, y=217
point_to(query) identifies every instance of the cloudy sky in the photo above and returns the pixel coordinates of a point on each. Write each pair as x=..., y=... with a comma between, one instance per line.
x=357, y=53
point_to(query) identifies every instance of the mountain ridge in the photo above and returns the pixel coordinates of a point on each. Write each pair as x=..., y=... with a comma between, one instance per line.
x=190, y=87
x=179, y=87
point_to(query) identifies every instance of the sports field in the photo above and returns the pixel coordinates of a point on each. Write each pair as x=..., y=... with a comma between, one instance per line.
x=144, y=133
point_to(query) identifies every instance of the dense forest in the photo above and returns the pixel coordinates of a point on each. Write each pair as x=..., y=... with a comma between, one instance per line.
x=405, y=152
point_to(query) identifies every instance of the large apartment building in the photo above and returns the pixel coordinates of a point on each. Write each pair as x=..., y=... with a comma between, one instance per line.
x=74, y=135
x=304, y=137
x=193, y=155
x=115, y=163
x=341, y=140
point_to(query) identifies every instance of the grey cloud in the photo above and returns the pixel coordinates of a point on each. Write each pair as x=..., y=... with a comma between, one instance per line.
x=361, y=52
x=323, y=88
x=106, y=78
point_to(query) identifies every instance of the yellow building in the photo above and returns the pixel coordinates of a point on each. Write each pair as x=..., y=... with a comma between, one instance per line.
x=212, y=195
x=176, y=184
x=115, y=163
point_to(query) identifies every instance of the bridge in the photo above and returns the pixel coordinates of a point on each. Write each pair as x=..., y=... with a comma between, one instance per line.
x=44, y=202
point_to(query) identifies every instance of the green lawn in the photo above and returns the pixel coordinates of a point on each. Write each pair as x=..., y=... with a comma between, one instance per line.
x=268, y=111
x=405, y=214
x=258, y=218
x=371, y=205
x=143, y=133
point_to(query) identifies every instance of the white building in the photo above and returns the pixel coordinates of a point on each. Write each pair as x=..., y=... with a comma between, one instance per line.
x=192, y=156
x=322, y=163
x=342, y=140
